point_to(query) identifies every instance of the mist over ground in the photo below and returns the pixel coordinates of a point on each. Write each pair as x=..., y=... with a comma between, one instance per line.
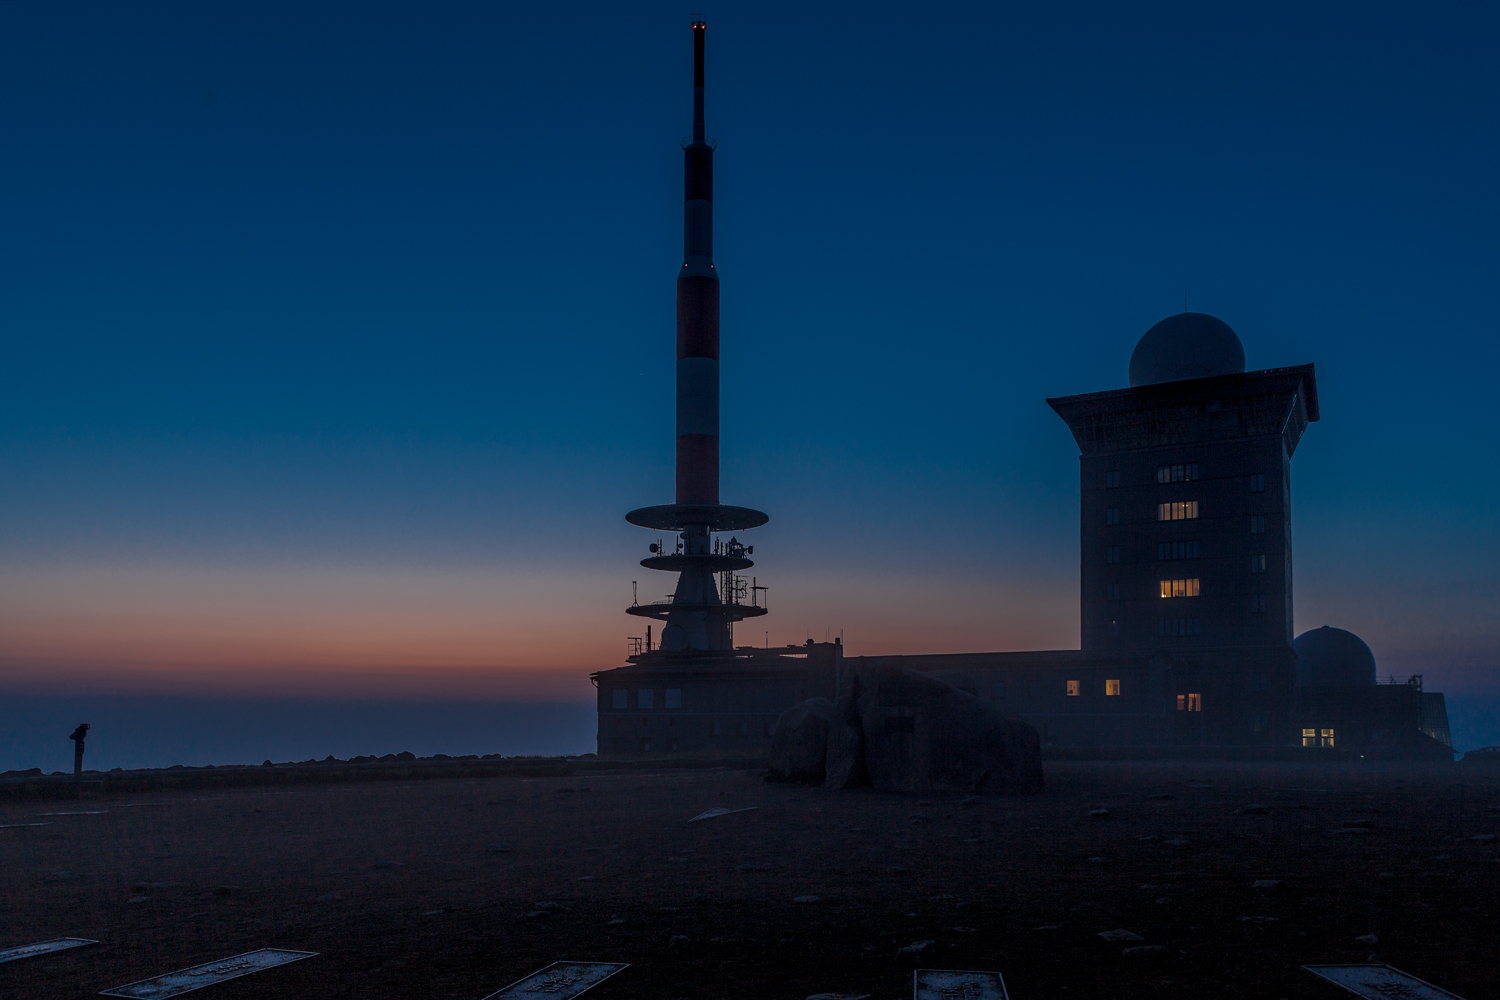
x=133, y=732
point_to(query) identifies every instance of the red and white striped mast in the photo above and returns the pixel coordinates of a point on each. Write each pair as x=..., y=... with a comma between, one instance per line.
x=698, y=618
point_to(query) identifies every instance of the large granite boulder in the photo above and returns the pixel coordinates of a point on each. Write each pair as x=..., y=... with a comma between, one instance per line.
x=903, y=731
x=799, y=744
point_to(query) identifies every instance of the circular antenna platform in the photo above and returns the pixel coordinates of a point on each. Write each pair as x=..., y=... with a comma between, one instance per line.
x=677, y=516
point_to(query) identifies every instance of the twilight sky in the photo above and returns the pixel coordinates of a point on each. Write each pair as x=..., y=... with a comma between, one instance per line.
x=338, y=337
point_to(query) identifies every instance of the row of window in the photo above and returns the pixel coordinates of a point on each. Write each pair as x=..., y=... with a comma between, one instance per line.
x=1177, y=473
x=1190, y=702
x=1184, y=473
x=645, y=698
x=1180, y=588
x=1111, y=688
x=1176, y=550
x=1259, y=603
x=1183, y=512
x=1074, y=689
x=1166, y=551
x=1177, y=626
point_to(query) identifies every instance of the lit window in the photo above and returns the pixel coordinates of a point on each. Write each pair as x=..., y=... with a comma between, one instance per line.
x=1176, y=550
x=1257, y=564
x=1317, y=737
x=1111, y=480
x=1176, y=626
x=1112, y=592
x=673, y=699
x=1257, y=524
x=1114, y=630
x=1258, y=483
x=1112, y=554
x=1182, y=703
x=1325, y=737
x=1176, y=473
x=1182, y=511
x=644, y=698
x=1073, y=689
x=1112, y=516
x=1111, y=688
x=620, y=698
x=1195, y=702
x=1180, y=588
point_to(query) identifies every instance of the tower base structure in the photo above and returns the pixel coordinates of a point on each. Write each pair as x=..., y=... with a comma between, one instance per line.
x=711, y=704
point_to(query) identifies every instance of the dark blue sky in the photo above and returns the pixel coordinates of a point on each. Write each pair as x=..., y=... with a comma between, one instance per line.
x=301, y=293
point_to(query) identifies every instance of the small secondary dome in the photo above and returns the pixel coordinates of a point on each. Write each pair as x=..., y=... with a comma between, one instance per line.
x=1331, y=657
x=1188, y=345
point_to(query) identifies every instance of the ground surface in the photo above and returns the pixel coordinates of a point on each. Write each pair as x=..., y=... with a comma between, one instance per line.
x=400, y=891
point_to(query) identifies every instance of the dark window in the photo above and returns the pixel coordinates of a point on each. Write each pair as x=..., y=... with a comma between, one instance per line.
x=1112, y=516
x=998, y=691
x=1176, y=550
x=1177, y=473
x=1258, y=722
x=1257, y=564
x=1257, y=524
x=767, y=728
x=620, y=698
x=1258, y=483
x=744, y=729
x=1257, y=603
x=1257, y=682
x=1114, y=630
x=674, y=698
x=1112, y=592
x=1033, y=689
x=672, y=746
x=900, y=724
x=645, y=746
x=1112, y=554
x=1176, y=626
x=716, y=729
x=621, y=744
x=1111, y=480
x=645, y=698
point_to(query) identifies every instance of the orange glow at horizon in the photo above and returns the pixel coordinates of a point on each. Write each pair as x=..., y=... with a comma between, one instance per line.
x=303, y=631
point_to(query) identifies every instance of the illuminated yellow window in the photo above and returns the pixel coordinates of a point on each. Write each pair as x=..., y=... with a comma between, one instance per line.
x=1186, y=510
x=1309, y=737
x=1182, y=703
x=1180, y=588
x=1195, y=702
x=1325, y=737
x=1111, y=688
x=1073, y=689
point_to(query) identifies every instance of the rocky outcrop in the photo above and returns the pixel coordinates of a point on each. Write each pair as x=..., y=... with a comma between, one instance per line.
x=799, y=744
x=902, y=731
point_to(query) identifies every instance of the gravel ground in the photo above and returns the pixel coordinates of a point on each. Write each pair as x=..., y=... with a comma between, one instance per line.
x=454, y=889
